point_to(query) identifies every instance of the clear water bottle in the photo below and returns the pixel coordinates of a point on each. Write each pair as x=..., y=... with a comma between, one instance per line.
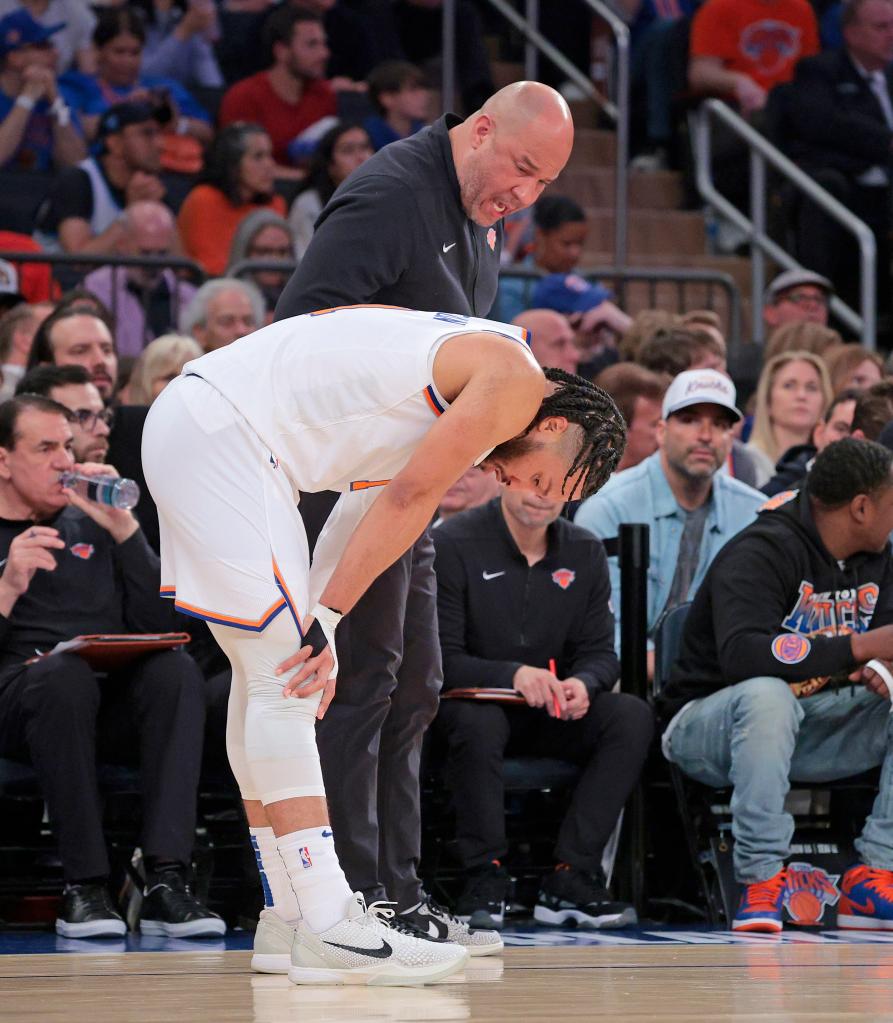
x=111, y=490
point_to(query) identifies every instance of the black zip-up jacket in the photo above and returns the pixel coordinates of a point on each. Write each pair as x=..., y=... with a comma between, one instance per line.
x=497, y=613
x=98, y=586
x=395, y=233
x=776, y=603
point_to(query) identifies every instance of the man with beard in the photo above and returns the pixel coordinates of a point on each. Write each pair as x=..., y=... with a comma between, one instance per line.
x=418, y=225
x=691, y=507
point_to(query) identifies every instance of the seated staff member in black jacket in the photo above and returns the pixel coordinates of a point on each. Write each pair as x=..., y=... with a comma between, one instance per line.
x=72, y=567
x=839, y=128
x=519, y=587
x=793, y=610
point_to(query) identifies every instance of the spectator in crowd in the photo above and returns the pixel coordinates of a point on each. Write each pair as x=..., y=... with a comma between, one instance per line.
x=340, y=151
x=835, y=424
x=523, y=603
x=35, y=280
x=239, y=178
x=145, y=300
x=222, y=311
x=37, y=131
x=292, y=94
x=643, y=326
x=792, y=394
x=83, y=209
x=559, y=234
x=265, y=235
x=691, y=507
x=78, y=334
x=180, y=39
x=474, y=487
x=90, y=419
x=802, y=336
x=853, y=366
x=797, y=296
x=72, y=23
x=17, y=329
x=796, y=601
x=740, y=51
x=10, y=295
x=402, y=98
x=119, y=38
x=680, y=348
x=638, y=393
x=872, y=411
x=161, y=361
x=839, y=129
x=551, y=338
x=55, y=713
x=706, y=320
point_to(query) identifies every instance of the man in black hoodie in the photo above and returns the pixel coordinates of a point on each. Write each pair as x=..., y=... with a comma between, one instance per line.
x=784, y=673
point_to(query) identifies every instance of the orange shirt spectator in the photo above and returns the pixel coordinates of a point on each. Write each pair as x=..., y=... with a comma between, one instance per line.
x=763, y=39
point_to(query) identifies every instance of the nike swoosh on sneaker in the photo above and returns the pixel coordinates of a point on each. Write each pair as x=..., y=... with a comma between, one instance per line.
x=376, y=953
x=434, y=930
x=867, y=907
x=492, y=575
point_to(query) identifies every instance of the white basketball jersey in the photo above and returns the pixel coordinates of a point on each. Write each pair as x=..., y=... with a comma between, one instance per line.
x=342, y=397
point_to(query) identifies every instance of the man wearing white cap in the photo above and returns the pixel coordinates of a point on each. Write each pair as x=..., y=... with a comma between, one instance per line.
x=691, y=507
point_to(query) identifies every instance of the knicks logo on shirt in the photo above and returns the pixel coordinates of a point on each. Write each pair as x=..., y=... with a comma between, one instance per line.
x=563, y=577
x=770, y=44
x=84, y=551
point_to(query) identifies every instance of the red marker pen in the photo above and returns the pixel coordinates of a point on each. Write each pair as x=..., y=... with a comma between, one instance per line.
x=555, y=704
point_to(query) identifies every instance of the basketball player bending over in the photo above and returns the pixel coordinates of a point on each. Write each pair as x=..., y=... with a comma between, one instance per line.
x=388, y=407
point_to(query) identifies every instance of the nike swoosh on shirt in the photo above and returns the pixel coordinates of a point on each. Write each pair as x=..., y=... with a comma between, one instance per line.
x=492, y=575
x=446, y=248
x=376, y=953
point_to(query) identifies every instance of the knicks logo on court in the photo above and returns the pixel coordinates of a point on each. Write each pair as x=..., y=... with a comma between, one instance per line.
x=808, y=890
x=84, y=551
x=563, y=577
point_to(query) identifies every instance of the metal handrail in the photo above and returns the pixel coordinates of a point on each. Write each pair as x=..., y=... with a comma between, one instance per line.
x=762, y=152
x=656, y=275
x=536, y=43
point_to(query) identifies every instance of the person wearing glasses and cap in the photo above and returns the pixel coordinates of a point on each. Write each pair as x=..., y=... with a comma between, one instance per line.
x=37, y=130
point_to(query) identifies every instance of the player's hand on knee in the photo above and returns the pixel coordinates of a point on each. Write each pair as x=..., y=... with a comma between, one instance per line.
x=314, y=673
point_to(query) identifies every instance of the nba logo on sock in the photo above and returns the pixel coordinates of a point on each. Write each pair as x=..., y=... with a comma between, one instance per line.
x=306, y=862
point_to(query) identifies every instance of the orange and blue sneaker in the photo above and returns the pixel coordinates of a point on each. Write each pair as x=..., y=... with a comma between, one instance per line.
x=866, y=899
x=761, y=906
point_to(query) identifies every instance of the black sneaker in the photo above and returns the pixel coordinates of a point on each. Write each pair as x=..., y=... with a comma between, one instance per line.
x=170, y=909
x=575, y=895
x=438, y=923
x=482, y=902
x=88, y=912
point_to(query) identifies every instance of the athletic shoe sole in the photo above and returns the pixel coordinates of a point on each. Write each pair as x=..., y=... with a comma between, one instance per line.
x=863, y=923
x=207, y=928
x=271, y=962
x=385, y=975
x=91, y=929
x=760, y=925
x=558, y=917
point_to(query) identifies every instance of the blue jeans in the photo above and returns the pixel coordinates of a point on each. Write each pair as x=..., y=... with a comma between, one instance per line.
x=757, y=737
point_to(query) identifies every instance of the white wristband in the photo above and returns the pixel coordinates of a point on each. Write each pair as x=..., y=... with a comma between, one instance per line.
x=328, y=621
x=25, y=102
x=884, y=675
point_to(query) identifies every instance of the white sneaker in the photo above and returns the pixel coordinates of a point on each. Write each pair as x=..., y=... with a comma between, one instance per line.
x=431, y=918
x=365, y=949
x=272, y=944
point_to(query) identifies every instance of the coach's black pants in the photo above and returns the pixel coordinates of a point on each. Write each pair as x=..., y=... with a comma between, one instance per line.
x=58, y=715
x=610, y=744
x=370, y=740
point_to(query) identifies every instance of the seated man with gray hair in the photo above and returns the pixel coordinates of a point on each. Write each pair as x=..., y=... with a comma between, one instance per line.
x=222, y=311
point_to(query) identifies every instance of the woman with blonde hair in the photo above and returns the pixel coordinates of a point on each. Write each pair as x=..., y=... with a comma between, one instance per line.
x=793, y=392
x=854, y=366
x=802, y=337
x=159, y=363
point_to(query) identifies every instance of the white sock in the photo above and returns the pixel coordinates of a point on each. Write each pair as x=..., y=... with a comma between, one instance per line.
x=316, y=876
x=278, y=892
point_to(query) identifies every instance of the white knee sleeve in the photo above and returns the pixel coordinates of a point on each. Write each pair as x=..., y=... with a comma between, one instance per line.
x=271, y=739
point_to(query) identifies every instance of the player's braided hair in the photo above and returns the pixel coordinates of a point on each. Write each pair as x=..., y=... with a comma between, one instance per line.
x=604, y=431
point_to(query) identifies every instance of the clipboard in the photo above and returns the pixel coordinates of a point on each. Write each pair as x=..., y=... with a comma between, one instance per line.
x=485, y=695
x=107, y=652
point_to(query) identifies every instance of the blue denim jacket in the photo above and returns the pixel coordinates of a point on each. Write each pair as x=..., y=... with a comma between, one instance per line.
x=642, y=494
